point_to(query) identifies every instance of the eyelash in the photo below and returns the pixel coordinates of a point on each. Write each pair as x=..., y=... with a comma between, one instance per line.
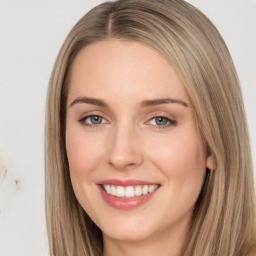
x=83, y=120
x=171, y=122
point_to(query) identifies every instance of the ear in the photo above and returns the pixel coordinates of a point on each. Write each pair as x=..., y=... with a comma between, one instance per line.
x=210, y=162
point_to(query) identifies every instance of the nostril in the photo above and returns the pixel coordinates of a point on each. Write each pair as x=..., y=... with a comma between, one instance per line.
x=122, y=163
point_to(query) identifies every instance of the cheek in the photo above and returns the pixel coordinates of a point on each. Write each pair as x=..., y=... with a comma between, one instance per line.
x=183, y=152
x=186, y=158
x=82, y=151
x=182, y=160
x=83, y=157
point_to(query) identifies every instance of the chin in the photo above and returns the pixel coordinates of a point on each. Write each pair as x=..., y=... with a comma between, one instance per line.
x=136, y=230
x=127, y=235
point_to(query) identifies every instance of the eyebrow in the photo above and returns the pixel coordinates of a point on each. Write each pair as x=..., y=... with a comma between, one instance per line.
x=145, y=103
x=154, y=102
x=87, y=100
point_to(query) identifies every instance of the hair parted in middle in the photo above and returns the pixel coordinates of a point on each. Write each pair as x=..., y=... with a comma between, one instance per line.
x=223, y=222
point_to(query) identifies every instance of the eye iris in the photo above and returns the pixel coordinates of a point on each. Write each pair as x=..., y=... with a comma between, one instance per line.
x=96, y=119
x=161, y=120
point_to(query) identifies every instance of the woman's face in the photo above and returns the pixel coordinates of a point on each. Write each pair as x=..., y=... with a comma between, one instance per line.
x=137, y=160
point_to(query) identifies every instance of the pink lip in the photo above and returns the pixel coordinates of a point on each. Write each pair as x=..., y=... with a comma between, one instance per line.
x=125, y=183
x=125, y=203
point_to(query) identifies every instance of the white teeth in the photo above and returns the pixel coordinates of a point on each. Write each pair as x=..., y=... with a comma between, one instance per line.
x=120, y=192
x=130, y=191
x=145, y=190
x=138, y=191
x=152, y=188
x=113, y=190
x=107, y=188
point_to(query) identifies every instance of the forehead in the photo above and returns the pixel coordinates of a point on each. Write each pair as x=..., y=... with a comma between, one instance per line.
x=119, y=68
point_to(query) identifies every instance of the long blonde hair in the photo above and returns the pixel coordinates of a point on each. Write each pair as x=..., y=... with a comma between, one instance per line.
x=224, y=217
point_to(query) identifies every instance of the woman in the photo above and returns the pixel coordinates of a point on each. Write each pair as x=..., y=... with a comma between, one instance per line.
x=147, y=149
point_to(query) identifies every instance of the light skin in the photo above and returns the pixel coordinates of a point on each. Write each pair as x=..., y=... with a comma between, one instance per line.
x=112, y=132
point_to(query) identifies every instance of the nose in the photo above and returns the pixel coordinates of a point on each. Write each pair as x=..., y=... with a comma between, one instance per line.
x=124, y=148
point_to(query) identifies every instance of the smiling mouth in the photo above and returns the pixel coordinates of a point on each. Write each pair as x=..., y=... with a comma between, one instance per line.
x=129, y=191
x=127, y=194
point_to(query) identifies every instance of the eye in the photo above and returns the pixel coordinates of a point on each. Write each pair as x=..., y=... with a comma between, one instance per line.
x=92, y=120
x=161, y=121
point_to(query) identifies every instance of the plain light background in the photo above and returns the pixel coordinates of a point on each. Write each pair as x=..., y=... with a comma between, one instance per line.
x=31, y=34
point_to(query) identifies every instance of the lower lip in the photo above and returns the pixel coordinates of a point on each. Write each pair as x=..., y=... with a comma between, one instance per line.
x=126, y=203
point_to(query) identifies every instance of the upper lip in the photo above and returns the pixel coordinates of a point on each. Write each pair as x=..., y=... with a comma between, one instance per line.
x=124, y=183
